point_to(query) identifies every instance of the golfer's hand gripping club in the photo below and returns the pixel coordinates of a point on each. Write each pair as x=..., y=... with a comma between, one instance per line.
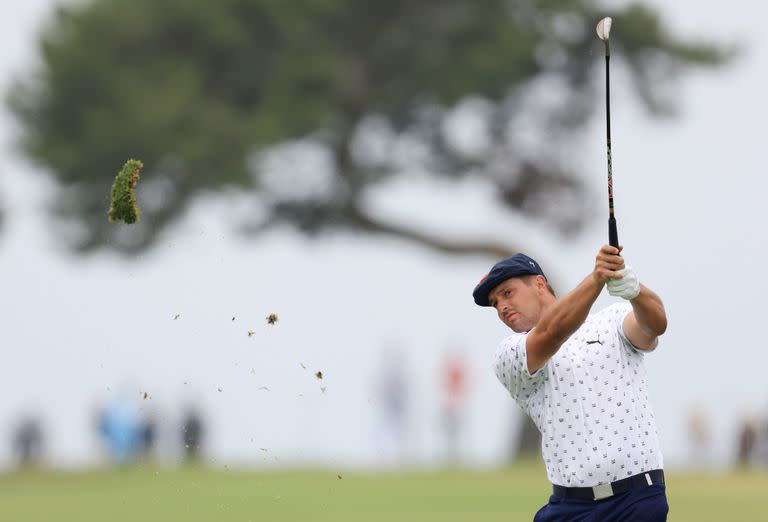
x=628, y=287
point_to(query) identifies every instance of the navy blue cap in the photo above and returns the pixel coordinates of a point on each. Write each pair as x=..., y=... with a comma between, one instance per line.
x=517, y=265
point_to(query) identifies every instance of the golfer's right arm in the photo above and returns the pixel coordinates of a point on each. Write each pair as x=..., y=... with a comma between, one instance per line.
x=565, y=316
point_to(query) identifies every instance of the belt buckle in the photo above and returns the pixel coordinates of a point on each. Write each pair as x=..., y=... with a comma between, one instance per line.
x=602, y=491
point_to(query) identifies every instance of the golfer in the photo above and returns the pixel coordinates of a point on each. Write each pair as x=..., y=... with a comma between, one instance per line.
x=582, y=380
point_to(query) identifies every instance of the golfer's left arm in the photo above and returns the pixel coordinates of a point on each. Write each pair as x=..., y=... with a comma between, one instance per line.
x=647, y=320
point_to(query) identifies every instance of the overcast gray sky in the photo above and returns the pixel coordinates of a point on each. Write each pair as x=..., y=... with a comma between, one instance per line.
x=689, y=202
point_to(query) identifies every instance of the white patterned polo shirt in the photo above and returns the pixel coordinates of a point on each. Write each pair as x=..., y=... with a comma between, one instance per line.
x=590, y=402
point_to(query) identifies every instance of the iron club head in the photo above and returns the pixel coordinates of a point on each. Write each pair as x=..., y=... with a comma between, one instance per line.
x=604, y=28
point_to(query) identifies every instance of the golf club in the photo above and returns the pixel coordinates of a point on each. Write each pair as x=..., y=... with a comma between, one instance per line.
x=603, y=30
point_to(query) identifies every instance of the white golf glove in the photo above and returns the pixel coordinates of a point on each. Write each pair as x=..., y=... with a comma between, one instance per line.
x=627, y=287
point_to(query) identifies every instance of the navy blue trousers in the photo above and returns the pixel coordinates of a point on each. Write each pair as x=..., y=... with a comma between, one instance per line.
x=636, y=505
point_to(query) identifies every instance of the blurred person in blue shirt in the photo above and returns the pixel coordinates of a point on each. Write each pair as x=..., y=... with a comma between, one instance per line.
x=122, y=429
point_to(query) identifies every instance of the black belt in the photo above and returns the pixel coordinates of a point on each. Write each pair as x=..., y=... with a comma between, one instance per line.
x=641, y=480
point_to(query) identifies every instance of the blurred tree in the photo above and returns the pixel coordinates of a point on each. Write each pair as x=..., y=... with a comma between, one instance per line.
x=206, y=93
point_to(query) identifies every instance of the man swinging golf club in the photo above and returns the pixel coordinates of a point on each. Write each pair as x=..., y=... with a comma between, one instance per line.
x=582, y=380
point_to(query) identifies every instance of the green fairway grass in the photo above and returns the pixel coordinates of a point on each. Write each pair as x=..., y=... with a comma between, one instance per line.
x=198, y=494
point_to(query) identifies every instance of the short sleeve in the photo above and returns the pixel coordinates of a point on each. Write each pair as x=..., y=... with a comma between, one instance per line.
x=616, y=314
x=512, y=369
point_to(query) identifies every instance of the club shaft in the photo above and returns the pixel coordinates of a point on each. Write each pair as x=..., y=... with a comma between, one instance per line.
x=613, y=234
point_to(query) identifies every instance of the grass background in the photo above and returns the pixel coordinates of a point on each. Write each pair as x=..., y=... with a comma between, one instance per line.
x=145, y=494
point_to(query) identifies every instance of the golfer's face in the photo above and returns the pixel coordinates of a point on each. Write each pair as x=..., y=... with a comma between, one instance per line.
x=516, y=300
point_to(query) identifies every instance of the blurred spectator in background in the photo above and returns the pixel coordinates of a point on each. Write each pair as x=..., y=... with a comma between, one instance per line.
x=525, y=438
x=191, y=434
x=122, y=429
x=393, y=397
x=28, y=442
x=148, y=436
x=763, y=452
x=453, y=401
x=747, y=442
x=761, y=447
x=699, y=437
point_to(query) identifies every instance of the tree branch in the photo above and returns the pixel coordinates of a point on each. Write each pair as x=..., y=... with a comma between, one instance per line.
x=367, y=223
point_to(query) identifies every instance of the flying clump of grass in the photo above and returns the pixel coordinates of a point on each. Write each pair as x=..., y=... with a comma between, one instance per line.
x=123, y=205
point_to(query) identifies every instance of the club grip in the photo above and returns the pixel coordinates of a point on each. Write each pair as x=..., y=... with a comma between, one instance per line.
x=613, y=233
